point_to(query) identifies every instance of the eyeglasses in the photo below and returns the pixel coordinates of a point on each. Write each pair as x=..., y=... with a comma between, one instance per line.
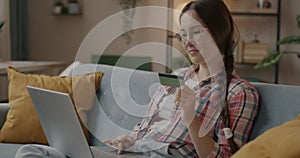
x=195, y=34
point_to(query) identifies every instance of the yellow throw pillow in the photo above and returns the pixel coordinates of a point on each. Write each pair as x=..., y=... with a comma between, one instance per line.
x=22, y=124
x=278, y=142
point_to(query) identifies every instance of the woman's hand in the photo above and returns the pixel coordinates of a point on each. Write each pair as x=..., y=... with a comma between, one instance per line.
x=122, y=142
x=186, y=99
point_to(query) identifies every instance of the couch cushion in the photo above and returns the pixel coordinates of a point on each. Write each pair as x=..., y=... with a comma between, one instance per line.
x=22, y=124
x=278, y=142
x=121, y=101
x=4, y=107
x=8, y=150
x=278, y=104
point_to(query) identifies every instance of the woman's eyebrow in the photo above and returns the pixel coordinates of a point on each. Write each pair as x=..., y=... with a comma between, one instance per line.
x=192, y=27
x=182, y=30
x=189, y=28
x=196, y=26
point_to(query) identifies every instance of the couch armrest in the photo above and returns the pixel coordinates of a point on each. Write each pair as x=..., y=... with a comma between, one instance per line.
x=4, y=107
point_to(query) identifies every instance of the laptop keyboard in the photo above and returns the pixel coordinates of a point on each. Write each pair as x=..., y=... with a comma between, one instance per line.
x=101, y=153
x=108, y=152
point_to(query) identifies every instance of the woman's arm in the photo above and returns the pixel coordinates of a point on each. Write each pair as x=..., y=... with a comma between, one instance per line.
x=203, y=145
x=186, y=99
x=122, y=142
x=243, y=107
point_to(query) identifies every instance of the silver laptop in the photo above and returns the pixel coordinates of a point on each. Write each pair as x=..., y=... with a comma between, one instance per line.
x=62, y=127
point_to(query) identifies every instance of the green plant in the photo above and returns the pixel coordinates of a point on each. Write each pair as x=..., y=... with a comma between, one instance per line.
x=1, y=25
x=275, y=56
x=129, y=11
x=127, y=4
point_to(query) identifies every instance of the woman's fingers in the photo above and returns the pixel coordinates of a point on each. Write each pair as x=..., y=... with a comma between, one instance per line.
x=177, y=98
x=186, y=90
x=121, y=143
x=107, y=141
x=185, y=97
x=120, y=148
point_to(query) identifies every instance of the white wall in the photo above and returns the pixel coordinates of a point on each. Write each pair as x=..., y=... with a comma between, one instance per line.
x=290, y=64
x=58, y=37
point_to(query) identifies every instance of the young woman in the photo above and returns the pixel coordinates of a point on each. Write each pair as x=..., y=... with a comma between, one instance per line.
x=208, y=34
x=212, y=114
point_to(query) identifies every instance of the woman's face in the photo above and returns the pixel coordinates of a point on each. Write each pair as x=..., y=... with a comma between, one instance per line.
x=192, y=30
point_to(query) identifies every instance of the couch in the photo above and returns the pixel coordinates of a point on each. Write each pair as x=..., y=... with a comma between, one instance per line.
x=124, y=94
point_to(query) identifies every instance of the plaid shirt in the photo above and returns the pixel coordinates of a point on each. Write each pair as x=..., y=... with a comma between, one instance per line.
x=243, y=106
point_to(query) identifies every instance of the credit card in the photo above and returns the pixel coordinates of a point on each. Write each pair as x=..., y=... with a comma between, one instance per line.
x=170, y=80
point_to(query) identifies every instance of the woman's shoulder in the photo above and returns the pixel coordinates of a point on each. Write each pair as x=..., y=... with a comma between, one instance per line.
x=242, y=94
x=181, y=71
x=238, y=84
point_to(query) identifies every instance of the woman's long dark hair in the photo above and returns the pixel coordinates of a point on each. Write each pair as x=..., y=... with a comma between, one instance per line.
x=218, y=20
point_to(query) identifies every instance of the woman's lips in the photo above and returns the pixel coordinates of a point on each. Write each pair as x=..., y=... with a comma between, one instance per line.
x=193, y=52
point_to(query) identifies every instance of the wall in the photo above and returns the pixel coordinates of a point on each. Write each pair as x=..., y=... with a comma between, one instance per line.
x=58, y=37
x=290, y=64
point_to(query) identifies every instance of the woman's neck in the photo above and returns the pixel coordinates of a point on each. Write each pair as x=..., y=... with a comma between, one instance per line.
x=201, y=73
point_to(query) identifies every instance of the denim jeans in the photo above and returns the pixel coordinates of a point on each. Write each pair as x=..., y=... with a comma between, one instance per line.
x=43, y=151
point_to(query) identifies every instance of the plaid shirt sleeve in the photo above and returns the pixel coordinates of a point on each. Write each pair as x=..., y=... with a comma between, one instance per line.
x=243, y=107
x=151, y=112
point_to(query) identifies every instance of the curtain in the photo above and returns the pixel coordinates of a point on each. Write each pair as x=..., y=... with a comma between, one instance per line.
x=18, y=29
x=4, y=34
x=4, y=46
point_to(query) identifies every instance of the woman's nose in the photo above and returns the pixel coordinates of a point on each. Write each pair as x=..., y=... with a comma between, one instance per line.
x=188, y=42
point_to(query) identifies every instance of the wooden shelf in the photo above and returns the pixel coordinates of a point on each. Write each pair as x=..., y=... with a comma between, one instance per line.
x=67, y=14
x=292, y=52
x=254, y=14
x=265, y=12
x=243, y=64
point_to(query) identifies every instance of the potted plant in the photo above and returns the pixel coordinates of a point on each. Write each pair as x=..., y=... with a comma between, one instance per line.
x=274, y=57
x=128, y=7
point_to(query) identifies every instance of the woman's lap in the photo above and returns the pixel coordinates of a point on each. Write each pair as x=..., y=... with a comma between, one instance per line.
x=38, y=151
x=43, y=151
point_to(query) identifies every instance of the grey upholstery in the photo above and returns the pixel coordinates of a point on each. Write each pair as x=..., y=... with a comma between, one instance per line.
x=124, y=95
x=3, y=111
x=6, y=150
x=121, y=101
x=278, y=104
